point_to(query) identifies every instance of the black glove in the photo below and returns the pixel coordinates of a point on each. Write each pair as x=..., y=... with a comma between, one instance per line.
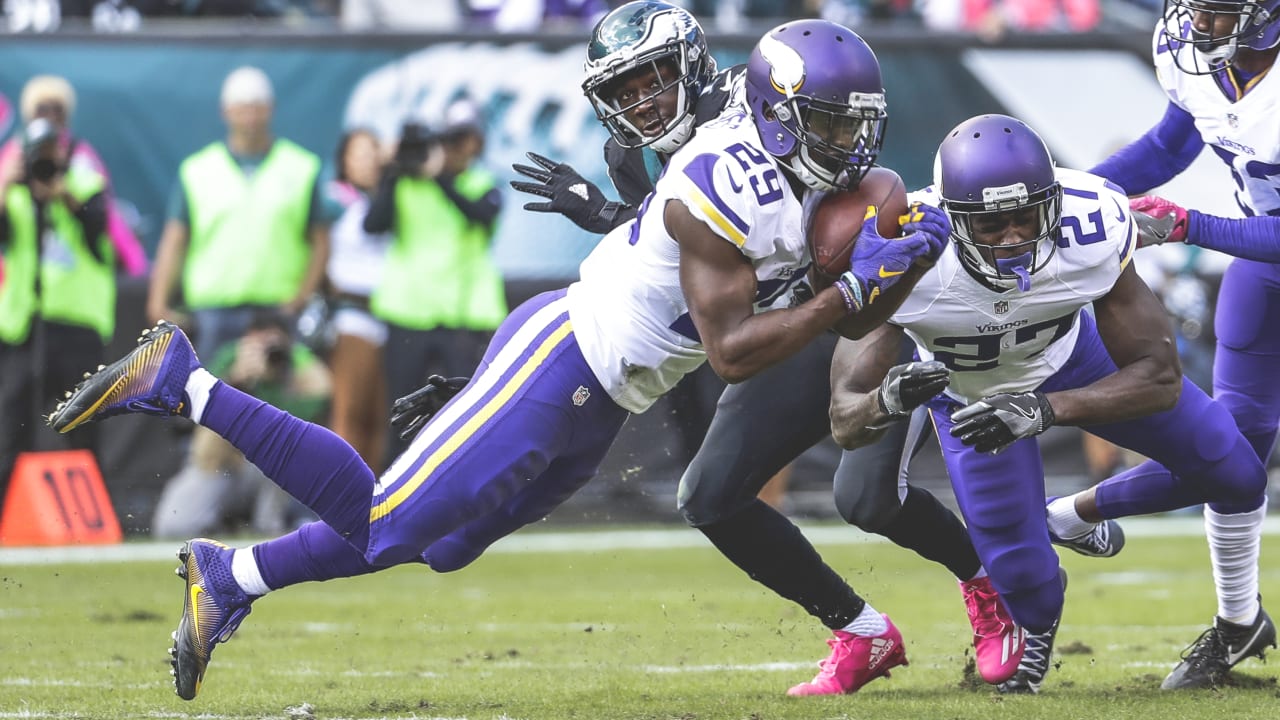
x=412, y=411
x=997, y=421
x=568, y=193
x=909, y=385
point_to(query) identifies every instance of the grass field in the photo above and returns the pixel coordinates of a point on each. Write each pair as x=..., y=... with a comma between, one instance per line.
x=651, y=625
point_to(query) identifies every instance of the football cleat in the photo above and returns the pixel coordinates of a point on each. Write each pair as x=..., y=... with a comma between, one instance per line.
x=1035, y=659
x=213, y=607
x=1206, y=662
x=855, y=660
x=151, y=379
x=998, y=641
x=1104, y=540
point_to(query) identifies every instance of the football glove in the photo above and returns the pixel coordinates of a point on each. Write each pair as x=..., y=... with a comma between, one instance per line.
x=1158, y=220
x=876, y=263
x=909, y=385
x=931, y=222
x=412, y=411
x=995, y=422
x=567, y=193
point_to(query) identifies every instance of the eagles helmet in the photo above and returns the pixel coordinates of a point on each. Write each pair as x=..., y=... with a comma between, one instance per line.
x=648, y=34
x=992, y=164
x=1255, y=24
x=816, y=96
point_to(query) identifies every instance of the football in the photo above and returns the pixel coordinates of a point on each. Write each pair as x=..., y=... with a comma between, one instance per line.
x=838, y=218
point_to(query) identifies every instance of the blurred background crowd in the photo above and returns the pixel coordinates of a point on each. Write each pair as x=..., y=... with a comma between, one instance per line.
x=988, y=17
x=327, y=213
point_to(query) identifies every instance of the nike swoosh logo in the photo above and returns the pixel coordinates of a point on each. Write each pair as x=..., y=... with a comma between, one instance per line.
x=1119, y=210
x=1235, y=657
x=1024, y=412
x=195, y=609
x=736, y=187
x=888, y=274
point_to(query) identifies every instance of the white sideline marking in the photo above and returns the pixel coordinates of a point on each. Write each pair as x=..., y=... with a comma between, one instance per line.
x=585, y=541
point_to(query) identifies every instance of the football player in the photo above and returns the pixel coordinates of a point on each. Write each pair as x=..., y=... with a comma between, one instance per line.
x=703, y=274
x=1004, y=314
x=652, y=83
x=1214, y=60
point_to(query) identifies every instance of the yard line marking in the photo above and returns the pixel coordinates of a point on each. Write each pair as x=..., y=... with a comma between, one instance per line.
x=657, y=538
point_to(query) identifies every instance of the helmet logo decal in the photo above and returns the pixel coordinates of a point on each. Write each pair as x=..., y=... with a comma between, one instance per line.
x=786, y=67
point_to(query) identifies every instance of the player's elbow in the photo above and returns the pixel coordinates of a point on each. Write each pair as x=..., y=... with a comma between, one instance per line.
x=731, y=372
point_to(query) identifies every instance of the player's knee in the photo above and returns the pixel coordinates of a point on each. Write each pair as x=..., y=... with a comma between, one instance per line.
x=447, y=555
x=702, y=498
x=1239, y=477
x=868, y=508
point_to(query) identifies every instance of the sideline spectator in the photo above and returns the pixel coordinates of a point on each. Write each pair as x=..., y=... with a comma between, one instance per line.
x=58, y=295
x=359, y=413
x=218, y=490
x=51, y=97
x=244, y=230
x=530, y=16
x=441, y=294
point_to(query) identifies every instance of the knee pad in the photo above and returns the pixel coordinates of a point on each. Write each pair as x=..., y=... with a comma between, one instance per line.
x=868, y=506
x=705, y=498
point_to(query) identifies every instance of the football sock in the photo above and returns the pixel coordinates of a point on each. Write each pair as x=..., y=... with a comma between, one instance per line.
x=313, y=552
x=1233, y=547
x=771, y=549
x=199, y=384
x=308, y=461
x=1064, y=521
x=245, y=570
x=868, y=622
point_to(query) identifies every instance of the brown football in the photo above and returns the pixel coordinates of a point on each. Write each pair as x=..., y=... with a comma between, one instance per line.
x=839, y=216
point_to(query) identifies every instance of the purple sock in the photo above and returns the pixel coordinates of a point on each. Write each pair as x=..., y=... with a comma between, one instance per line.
x=309, y=462
x=313, y=552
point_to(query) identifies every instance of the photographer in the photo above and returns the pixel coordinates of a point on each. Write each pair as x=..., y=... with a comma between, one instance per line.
x=217, y=489
x=441, y=293
x=58, y=293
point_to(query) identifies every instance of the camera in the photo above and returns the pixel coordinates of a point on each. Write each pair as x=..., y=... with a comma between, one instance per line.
x=39, y=138
x=416, y=140
x=277, y=357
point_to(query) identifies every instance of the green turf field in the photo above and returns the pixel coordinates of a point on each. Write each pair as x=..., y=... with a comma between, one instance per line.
x=631, y=629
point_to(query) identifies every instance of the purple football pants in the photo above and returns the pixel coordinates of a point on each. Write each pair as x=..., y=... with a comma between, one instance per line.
x=1002, y=497
x=1245, y=371
x=527, y=432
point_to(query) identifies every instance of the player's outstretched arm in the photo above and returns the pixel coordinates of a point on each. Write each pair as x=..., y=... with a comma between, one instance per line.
x=569, y=194
x=719, y=285
x=1136, y=331
x=869, y=392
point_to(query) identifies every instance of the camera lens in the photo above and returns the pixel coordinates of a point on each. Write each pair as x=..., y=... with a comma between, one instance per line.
x=43, y=169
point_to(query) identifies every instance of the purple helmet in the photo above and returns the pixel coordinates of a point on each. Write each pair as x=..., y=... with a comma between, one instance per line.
x=815, y=94
x=990, y=165
x=1255, y=24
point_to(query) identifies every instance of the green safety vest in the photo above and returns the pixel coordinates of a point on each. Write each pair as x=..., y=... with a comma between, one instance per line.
x=248, y=235
x=75, y=287
x=440, y=270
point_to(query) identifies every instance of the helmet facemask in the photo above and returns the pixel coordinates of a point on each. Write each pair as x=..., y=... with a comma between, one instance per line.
x=837, y=143
x=1254, y=25
x=669, y=68
x=1007, y=265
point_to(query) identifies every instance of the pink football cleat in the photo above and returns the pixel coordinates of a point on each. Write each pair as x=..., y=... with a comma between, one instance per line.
x=855, y=660
x=998, y=641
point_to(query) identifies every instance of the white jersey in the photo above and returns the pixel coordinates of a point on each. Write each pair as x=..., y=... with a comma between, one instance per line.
x=1244, y=133
x=628, y=311
x=1013, y=341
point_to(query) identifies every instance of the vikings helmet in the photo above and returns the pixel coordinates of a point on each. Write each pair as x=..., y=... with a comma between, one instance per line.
x=816, y=97
x=992, y=164
x=646, y=35
x=1256, y=25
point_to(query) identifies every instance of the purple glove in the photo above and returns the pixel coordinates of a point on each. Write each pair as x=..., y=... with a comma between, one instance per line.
x=877, y=263
x=932, y=223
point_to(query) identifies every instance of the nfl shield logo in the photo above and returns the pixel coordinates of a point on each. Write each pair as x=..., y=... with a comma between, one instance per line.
x=580, y=395
x=1002, y=307
x=1233, y=120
